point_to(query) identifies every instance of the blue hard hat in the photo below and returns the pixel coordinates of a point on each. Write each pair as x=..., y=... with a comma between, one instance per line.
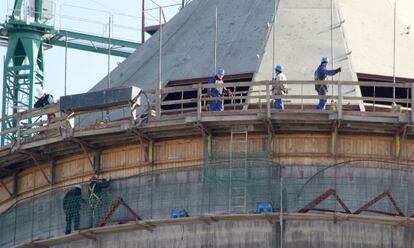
x=279, y=68
x=220, y=71
x=324, y=60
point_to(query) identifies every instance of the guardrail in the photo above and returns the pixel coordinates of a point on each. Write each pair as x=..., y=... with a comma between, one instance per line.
x=247, y=97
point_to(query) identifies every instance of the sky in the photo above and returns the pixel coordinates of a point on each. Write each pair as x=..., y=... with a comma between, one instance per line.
x=85, y=69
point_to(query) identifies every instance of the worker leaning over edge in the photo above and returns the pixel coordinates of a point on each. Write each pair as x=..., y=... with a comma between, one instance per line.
x=44, y=100
x=97, y=199
x=71, y=207
x=217, y=105
x=321, y=74
x=280, y=88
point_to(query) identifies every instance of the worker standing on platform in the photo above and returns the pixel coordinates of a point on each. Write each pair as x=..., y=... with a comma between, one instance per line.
x=44, y=100
x=321, y=74
x=97, y=199
x=280, y=88
x=218, y=105
x=71, y=207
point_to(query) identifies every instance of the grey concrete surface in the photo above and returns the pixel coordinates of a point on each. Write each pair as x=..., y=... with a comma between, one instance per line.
x=297, y=234
x=153, y=196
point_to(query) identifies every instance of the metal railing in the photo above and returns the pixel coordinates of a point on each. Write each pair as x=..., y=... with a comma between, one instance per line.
x=253, y=98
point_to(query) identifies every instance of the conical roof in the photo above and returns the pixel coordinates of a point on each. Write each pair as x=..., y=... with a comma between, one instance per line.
x=244, y=42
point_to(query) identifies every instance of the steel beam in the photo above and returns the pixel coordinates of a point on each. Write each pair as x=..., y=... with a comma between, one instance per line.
x=118, y=201
x=378, y=198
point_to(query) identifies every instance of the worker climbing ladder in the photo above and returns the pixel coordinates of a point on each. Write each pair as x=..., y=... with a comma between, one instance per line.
x=238, y=169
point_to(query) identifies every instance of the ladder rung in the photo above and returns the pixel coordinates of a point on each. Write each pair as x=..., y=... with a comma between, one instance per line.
x=239, y=132
x=239, y=141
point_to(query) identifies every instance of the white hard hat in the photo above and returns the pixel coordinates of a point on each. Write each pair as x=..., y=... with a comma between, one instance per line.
x=78, y=186
x=40, y=92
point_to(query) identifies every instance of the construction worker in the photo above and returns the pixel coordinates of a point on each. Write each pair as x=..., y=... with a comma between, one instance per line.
x=321, y=74
x=44, y=100
x=97, y=199
x=71, y=207
x=280, y=88
x=217, y=105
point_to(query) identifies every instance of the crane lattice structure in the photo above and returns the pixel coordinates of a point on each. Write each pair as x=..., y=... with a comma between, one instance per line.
x=26, y=32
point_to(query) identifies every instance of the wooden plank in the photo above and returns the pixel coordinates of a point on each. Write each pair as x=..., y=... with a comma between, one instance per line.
x=271, y=217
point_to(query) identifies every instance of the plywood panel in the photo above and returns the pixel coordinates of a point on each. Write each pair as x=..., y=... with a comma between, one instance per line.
x=301, y=145
x=256, y=143
x=178, y=150
x=123, y=157
x=407, y=150
x=74, y=167
x=366, y=146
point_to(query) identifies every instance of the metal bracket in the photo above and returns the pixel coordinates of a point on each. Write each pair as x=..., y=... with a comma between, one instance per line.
x=400, y=133
x=35, y=157
x=202, y=129
x=5, y=187
x=85, y=145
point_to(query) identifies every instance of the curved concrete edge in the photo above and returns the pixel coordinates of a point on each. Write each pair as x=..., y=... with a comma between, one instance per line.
x=151, y=225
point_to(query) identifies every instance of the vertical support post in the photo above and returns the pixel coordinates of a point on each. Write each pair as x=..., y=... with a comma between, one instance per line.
x=109, y=50
x=15, y=184
x=397, y=146
x=143, y=22
x=209, y=145
x=340, y=100
x=268, y=110
x=53, y=172
x=66, y=62
x=394, y=53
x=215, y=40
x=412, y=103
x=151, y=152
x=281, y=206
x=38, y=8
x=97, y=161
x=199, y=94
x=334, y=138
x=18, y=132
x=158, y=102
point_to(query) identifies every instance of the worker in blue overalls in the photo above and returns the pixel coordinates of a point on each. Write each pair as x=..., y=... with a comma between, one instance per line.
x=217, y=105
x=321, y=74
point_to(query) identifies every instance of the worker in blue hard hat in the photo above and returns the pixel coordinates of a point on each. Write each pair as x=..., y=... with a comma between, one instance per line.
x=217, y=105
x=280, y=87
x=321, y=74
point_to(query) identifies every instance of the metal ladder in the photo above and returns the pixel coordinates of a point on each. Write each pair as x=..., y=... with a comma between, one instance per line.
x=238, y=171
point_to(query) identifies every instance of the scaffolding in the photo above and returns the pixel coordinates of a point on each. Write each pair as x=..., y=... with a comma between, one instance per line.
x=210, y=190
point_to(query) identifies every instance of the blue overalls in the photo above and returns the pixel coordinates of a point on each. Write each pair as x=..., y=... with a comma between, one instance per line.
x=216, y=105
x=320, y=74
